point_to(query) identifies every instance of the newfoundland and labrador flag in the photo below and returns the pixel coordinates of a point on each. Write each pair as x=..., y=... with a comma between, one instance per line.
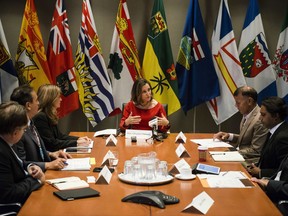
x=158, y=64
x=197, y=79
x=253, y=50
x=227, y=65
x=95, y=92
x=60, y=60
x=280, y=62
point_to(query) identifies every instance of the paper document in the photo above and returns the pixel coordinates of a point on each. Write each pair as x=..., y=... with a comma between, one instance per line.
x=68, y=183
x=226, y=156
x=78, y=164
x=105, y=132
x=211, y=143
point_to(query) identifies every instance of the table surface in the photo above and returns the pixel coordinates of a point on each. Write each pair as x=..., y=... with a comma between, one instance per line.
x=227, y=201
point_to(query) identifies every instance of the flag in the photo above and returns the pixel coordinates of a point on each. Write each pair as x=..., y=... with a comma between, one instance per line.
x=60, y=60
x=227, y=65
x=280, y=62
x=124, y=66
x=158, y=64
x=31, y=61
x=95, y=92
x=197, y=78
x=253, y=50
x=8, y=74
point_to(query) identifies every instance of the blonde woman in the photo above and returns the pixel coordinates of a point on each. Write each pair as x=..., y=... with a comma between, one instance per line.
x=46, y=120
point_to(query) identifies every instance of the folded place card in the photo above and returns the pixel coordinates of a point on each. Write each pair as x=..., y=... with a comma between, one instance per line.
x=108, y=155
x=178, y=166
x=180, y=138
x=104, y=176
x=181, y=151
x=200, y=204
x=111, y=140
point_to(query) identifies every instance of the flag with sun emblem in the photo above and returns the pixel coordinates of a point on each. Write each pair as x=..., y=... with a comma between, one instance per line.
x=158, y=64
x=253, y=50
x=280, y=62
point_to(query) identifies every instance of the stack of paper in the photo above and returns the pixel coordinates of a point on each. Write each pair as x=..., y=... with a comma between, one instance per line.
x=226, y=156
x=211, y=143
x=68, y=183
x=78, y=164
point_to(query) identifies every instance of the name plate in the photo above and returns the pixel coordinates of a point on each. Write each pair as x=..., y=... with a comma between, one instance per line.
x=139, y=134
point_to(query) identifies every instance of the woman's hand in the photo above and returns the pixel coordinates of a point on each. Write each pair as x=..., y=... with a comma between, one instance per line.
x=163, y=121
x=132, y=120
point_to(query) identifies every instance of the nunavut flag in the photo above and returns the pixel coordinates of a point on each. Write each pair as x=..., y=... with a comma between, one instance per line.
x=95, y=92
x=227, y=66
x=124, y=66
x=254, y=55
x=197, y=79
x=31, y=62
x=158, y=63
x=60, y=60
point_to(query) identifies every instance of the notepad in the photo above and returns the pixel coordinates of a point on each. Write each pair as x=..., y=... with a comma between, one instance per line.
x=68, y=183
x=78, y=164
x=226, y=156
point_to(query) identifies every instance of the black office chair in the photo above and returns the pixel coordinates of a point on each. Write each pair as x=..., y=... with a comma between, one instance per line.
x=283, y=206
x=9, y=209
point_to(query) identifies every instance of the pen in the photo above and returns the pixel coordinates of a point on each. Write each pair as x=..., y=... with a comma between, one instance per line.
x=65, y=163
x=59, y=182
x=218, y=153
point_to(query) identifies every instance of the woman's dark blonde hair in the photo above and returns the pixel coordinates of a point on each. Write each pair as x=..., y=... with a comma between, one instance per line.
x=136, y=92
x=47, y=95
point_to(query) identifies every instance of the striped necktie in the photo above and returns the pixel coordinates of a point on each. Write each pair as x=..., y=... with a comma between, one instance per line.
x=36, y=136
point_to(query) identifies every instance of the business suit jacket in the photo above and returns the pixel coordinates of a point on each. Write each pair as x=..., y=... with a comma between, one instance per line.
x=274, y=151
x=28, y=150
x=53, y=139
x=252, y=136
x=15, y=185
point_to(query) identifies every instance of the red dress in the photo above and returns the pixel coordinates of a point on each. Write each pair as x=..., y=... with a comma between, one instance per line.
x=146, y=116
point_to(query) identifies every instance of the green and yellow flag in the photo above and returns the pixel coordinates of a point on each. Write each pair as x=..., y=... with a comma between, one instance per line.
x=158, y=64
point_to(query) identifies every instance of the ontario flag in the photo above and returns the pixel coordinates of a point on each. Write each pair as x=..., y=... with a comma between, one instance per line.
x=227, y=65
x=124, y=66
x=31, y=62
x=60, y=60
x=280, y=62
x=158, y=63
x=197, y=79
x=94, y=86
x=8, y=74
x=254, y=57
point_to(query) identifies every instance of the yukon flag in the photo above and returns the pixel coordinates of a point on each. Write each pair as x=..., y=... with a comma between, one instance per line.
x=197, y=78
x=60, y=60
x=227, y=65
x=253, y=50
x=124, y=66
x=158, y=63
x=8, y=74
x=95, y=92
x=280, y=62
x=31, y=62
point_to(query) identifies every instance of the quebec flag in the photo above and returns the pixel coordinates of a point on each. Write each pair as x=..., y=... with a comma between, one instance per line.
x=255, y=61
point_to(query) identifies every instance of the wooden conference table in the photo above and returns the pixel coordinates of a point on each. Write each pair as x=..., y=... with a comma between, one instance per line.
x=227, y=201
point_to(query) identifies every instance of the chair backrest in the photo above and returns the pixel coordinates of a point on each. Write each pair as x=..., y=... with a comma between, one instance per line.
x=9, y=209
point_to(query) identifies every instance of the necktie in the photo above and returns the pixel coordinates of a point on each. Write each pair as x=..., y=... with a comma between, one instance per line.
x=35, y=134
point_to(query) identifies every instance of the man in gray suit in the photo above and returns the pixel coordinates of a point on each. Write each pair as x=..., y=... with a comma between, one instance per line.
x=252, y=136
x=31, y=147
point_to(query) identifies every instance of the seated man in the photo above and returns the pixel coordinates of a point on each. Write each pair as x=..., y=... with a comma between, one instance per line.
x=273, y=113
x=31, y=146
x=17, y=178
x=253, y=134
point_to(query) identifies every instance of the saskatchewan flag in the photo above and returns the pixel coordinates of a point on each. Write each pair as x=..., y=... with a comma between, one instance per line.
x=158, y=64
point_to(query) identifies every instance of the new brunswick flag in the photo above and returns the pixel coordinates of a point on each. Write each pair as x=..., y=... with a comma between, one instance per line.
x=60, y=60
x=158, y=63
x=31, y=62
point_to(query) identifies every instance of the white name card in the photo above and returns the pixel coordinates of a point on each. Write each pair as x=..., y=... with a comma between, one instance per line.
x=142, y=134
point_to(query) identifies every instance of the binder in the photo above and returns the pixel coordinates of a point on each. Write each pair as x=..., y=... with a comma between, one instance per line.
x=76, y=193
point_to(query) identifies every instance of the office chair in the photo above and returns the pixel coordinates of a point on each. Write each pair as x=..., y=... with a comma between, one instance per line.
x=9, y=209
x=283, y=206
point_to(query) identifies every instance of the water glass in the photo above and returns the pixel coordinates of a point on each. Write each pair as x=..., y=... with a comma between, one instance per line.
x=137, y=172
x=128, y=169
x=150, y=172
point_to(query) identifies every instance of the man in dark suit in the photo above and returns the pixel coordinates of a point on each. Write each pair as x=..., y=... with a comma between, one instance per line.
x=31, y=146
x=17, y=178
x=273, y=113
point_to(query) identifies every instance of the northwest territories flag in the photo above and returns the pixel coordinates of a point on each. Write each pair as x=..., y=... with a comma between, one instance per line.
x=227, y=65
x=95, y=92
x=255, y=61
x=280, y=62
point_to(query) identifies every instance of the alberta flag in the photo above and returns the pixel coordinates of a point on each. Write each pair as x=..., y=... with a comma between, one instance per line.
x=124, y=66
x=95, y=92
x=253, y=50
x=60, y=60
x=280, y=62
x=8, y=74
x=227, y=65
x=197, y=79
x=158, y=63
